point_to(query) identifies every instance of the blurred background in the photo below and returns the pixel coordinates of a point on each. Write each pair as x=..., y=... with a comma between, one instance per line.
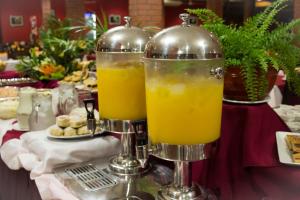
x=18, y=18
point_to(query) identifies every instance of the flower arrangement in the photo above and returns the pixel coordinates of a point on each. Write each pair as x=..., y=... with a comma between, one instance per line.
x=17, y=49
x=62, y=50
x=41, y=67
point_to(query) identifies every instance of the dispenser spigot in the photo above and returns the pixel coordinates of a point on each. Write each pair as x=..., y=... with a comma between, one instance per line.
x=91, y=120
x=140, y=128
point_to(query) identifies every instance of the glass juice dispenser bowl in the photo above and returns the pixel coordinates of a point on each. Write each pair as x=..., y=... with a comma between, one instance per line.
x=184, y=88
x=121, y=89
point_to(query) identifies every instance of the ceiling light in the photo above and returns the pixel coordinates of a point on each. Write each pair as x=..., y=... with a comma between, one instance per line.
x=261, y=3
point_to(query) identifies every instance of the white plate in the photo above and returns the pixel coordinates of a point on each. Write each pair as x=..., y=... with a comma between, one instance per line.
x=283, y=150
x=72, y=137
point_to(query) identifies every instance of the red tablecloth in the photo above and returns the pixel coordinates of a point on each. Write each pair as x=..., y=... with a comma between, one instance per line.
x=245, y=162
x=11, y=135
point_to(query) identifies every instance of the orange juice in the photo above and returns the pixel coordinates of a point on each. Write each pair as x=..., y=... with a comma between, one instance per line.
x=184, y=110
x=121, y=92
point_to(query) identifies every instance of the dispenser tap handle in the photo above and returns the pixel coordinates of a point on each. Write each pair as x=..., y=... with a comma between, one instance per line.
x=91, y=120
x=141, y=141
x=140, y=129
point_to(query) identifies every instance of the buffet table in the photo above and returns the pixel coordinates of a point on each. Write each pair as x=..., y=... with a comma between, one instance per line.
x=244, y=164
x=16, y=185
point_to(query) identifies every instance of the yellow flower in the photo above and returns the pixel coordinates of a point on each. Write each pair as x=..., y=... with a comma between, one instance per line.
x=47, y=69
x=82, y=44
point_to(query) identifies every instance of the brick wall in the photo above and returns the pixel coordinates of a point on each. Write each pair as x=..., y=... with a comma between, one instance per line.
x=74, y=9
x=296, y=9
x=46, y=9
x=147, y=12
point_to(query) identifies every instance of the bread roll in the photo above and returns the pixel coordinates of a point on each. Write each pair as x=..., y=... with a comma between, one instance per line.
x=83, y=130
x=70, y=131
x=77, y=122
x=56, y=131
x=63, y=121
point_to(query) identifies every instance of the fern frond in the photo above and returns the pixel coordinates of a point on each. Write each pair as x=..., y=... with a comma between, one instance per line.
x=254, y=48
x=206, y=16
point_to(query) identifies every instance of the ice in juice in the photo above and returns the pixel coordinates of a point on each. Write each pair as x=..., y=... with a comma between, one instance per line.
x=121, y=92
x=184, y=110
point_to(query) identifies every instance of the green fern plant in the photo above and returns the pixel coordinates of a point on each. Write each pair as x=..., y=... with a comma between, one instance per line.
x=255, y=48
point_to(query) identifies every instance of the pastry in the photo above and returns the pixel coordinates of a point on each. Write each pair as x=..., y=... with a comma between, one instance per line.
x=56, y=131
x=77, y=73
x=70, y=131
x=90, y=82
x=77, y=122
x=79, y=112
x=8, y=108
x=83, y=130
x=63, y=121
x=75, y=78
x=68, y=78
x=293, y=142
x=296, y=157
x=296, y=147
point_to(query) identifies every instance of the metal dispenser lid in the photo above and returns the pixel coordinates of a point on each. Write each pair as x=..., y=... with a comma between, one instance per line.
x=123, y=39
x=184, y=42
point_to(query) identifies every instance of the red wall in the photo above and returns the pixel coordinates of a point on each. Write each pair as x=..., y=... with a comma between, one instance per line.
x=59, y=7
x=25, y=8
x=115, y=7
x=172, y=13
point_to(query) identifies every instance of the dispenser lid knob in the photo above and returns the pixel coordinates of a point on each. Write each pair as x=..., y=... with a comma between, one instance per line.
x=127, y=20
x=185, y=19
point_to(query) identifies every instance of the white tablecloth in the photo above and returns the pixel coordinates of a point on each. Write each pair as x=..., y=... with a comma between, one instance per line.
x=40, y=155
x=5, y=125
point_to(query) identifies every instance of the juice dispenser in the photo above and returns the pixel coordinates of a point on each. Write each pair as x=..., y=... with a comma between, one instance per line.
x=121, y=90
x=184, y=89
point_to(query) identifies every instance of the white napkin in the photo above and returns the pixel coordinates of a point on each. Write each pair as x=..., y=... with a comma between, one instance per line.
x=50, y=188
x=9, y=153
x=5, y=125
x=275, y=97
x=36, y=153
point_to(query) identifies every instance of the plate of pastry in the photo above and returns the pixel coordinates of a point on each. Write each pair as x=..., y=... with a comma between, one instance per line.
x=288, y=146
x=71, y=127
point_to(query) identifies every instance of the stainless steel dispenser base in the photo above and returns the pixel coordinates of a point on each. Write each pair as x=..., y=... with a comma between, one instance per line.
x=125, y=163
x=123, y=166
x=143, y=187
x=181, y=193
x=182, y=188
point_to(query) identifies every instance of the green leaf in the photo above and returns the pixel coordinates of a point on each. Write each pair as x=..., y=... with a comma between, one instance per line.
x=255, y=48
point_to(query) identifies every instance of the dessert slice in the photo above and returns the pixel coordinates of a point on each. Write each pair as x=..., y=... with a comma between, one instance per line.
x=293, y=142
x=296, y=157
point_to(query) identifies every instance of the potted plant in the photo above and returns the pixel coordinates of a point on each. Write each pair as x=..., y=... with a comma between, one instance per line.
x=255, y=51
